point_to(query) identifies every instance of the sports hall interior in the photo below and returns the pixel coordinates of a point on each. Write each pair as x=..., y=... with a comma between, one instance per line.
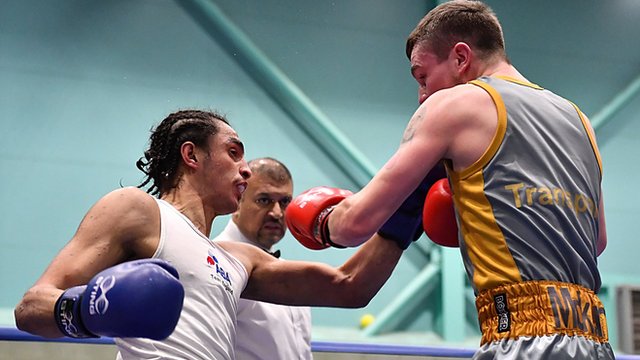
x=323, y=86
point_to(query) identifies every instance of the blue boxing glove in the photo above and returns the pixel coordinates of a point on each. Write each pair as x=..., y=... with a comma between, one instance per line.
x=141, y=298
x=405, y=225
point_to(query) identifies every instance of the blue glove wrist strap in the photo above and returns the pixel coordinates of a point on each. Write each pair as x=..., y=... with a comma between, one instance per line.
x=67, y=313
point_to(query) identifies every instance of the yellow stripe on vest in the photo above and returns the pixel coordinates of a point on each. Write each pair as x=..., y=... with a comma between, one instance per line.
x=592, y=139
x=486, y=246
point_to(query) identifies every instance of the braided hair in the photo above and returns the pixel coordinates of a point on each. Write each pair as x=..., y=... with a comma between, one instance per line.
x=161, y=160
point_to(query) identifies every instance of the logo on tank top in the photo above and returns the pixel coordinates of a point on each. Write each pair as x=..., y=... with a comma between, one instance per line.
x=526, y=195
x=219, y=274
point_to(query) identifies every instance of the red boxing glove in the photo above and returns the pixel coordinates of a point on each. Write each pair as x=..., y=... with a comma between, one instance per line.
x=307, y=215
x=438, y=215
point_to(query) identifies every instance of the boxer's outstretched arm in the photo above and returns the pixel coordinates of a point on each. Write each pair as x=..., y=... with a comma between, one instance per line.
x=439, y=129
x=315, y=284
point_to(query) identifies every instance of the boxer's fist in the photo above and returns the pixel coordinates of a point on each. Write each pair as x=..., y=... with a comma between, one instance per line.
x=307, y=215
x=438, y=215
x=405, y=225
x=141, y=298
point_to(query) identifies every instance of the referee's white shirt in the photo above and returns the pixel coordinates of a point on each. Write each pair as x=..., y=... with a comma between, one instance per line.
x=269, y=331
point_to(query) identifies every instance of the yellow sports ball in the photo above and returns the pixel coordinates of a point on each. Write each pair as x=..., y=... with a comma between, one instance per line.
x=366, y=320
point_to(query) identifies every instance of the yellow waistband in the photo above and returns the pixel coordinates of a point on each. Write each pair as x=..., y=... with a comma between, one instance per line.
x=538, y=308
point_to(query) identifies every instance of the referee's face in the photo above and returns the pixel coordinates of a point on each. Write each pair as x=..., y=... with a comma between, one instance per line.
x=260, y=216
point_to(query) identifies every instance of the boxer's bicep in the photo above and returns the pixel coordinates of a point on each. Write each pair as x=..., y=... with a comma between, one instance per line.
x=424, y=142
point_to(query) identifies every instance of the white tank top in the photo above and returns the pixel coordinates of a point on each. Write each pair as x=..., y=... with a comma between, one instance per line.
x=213, y=280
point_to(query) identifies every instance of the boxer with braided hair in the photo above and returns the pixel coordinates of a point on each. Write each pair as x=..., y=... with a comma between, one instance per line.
x=142, y=269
